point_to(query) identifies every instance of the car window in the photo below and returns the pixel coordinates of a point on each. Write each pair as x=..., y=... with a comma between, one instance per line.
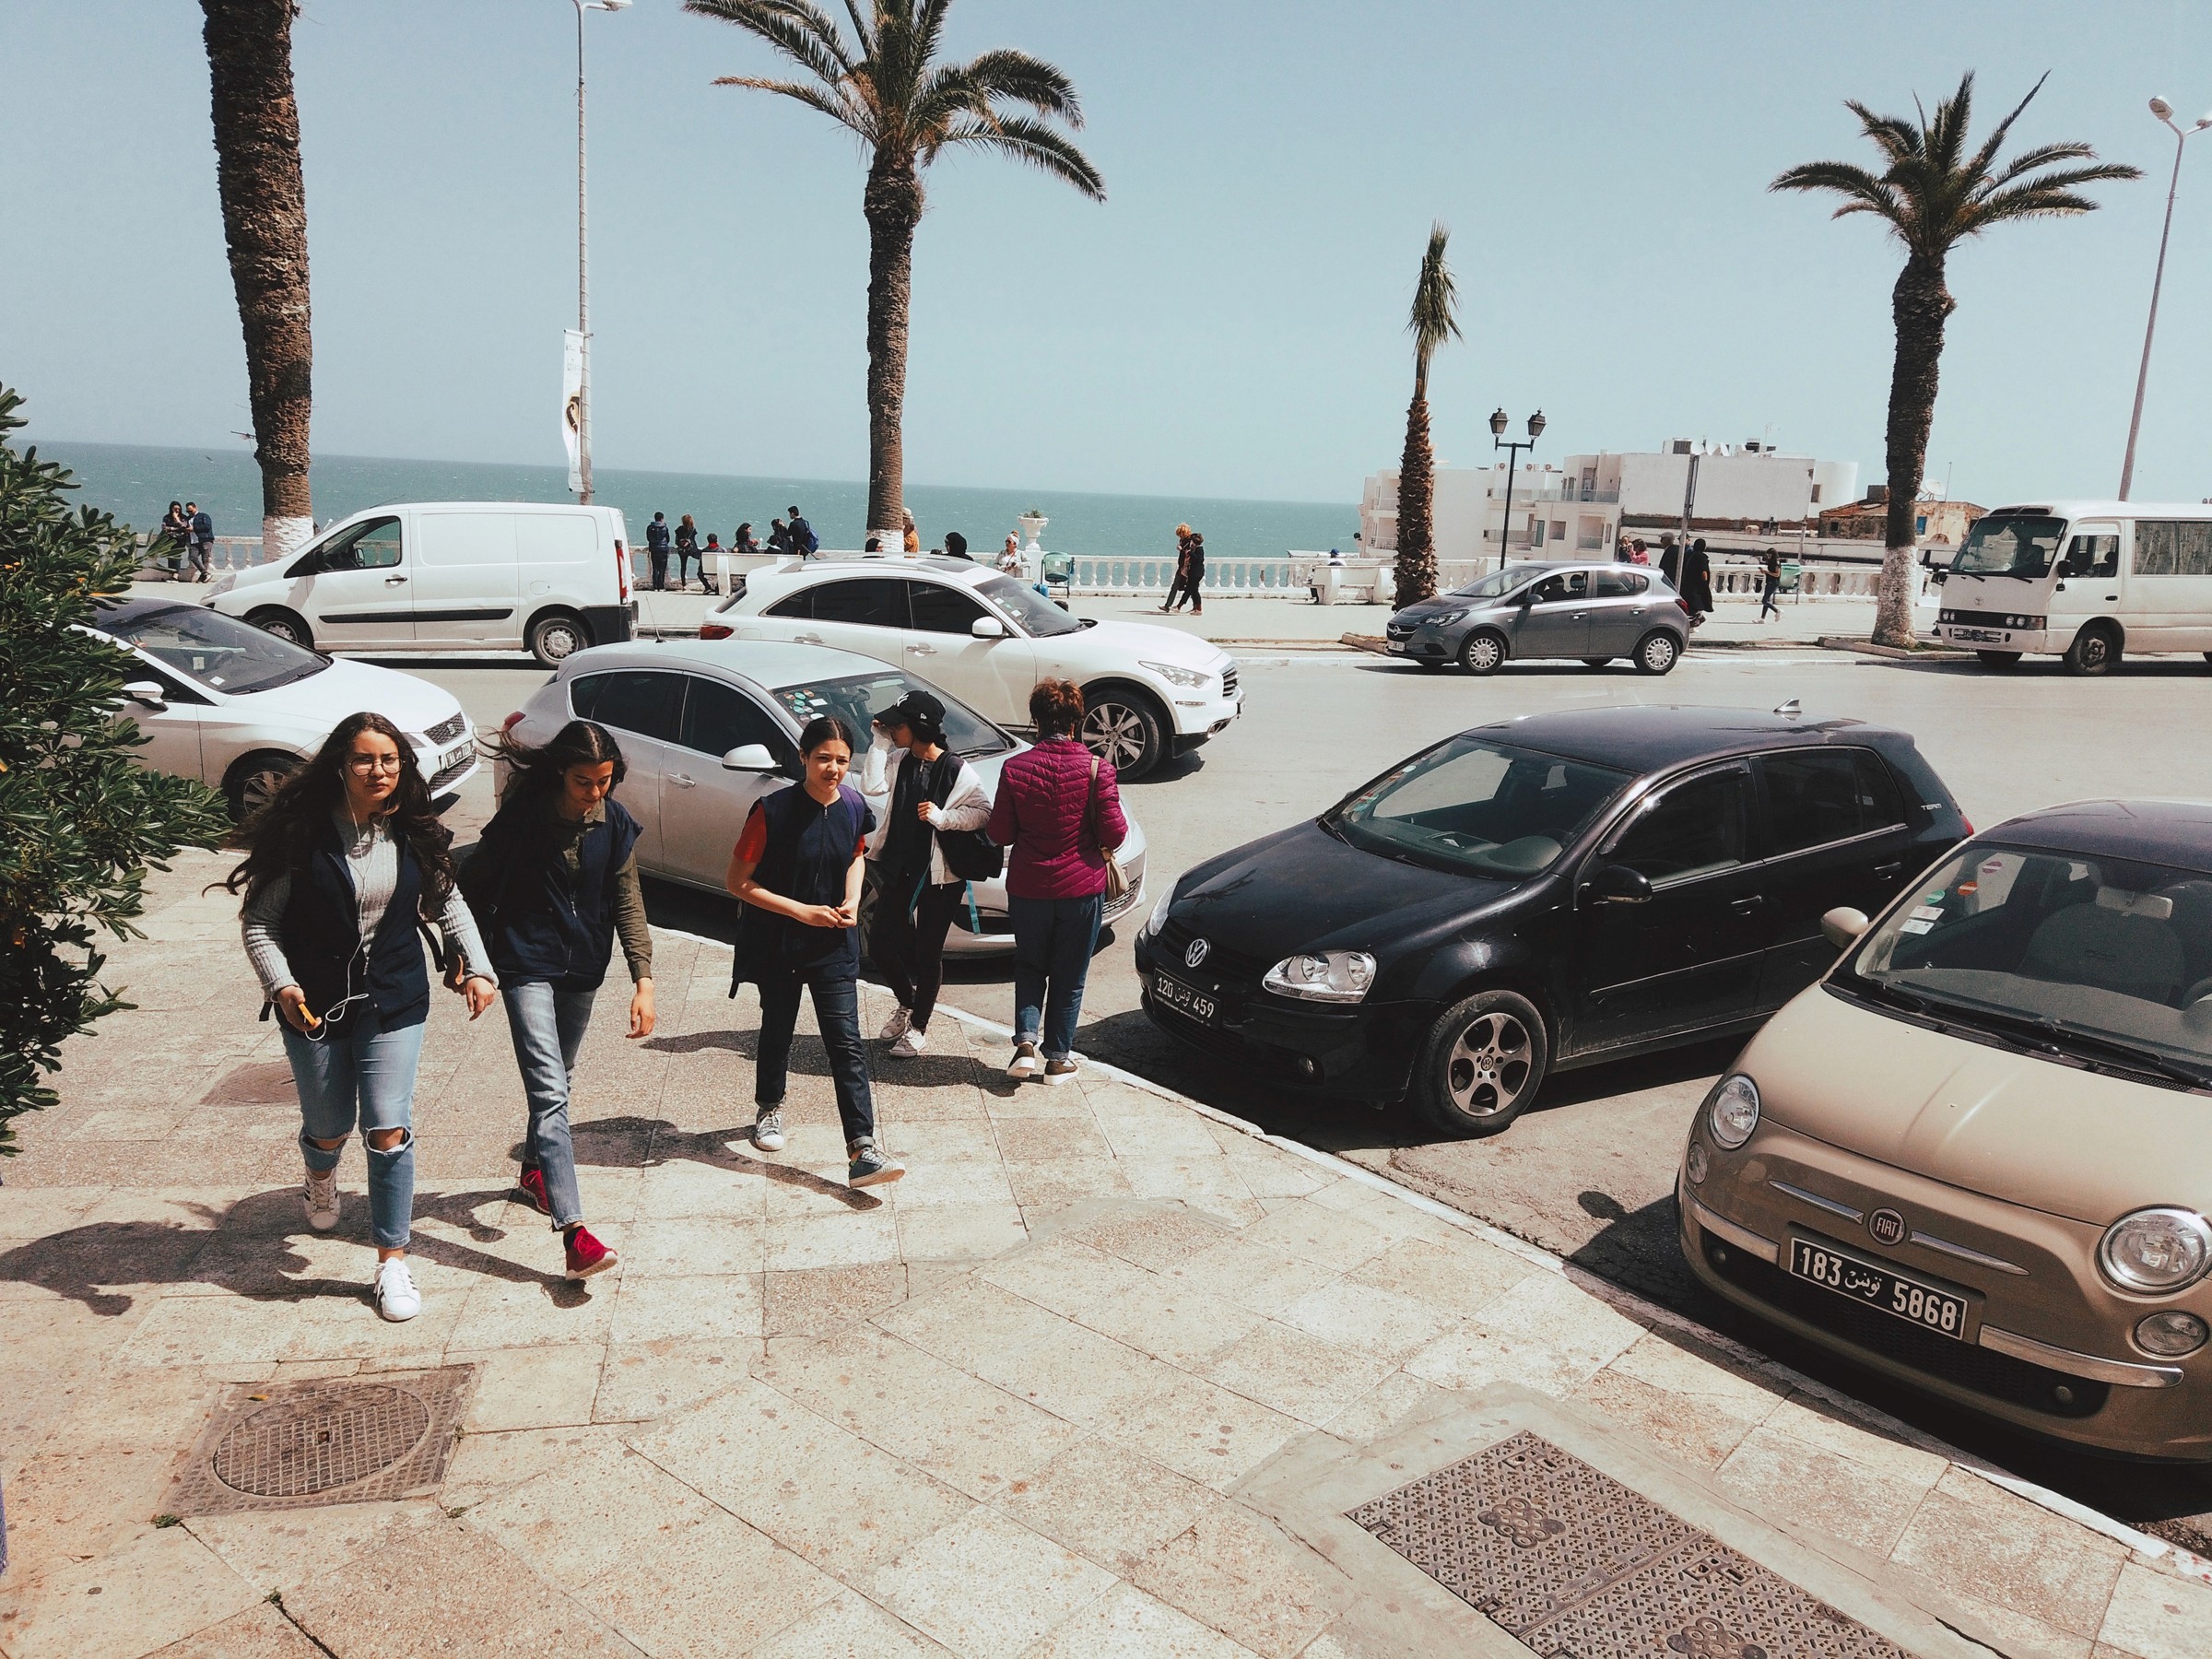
x=869, y=601
x=1038, y=617
x=2093, y=556
x=642, y=701
x=1478, y=807
x=1817, y=797
x=800, y=604
x=374, y=546
x=718, y=717
x=215, y=651
x=1563, y=584
x=941, y=609
x=858, y=698
x=1620, y=584
x=1696, y=827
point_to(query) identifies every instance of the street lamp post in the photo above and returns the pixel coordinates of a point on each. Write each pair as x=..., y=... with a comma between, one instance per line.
x=2164, y=111
x=1512, y=459
x=583, y=266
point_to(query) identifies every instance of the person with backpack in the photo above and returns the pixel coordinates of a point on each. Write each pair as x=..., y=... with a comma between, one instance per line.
x=928, y=854
x=554, y=882
x=799, y=867
x=656, y=549
x=802, y=539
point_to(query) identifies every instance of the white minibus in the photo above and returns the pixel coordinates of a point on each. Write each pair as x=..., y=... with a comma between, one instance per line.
x=2082, y=580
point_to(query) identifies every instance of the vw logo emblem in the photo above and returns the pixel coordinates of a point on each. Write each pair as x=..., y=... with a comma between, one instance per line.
x=1886, y=1226
x=1196, y=953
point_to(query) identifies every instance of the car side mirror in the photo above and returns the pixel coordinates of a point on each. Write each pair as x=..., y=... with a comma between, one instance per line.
x=987, y=628
x=1843, y=925
x=751, y=758
x=1618, y=884
x=147, y=693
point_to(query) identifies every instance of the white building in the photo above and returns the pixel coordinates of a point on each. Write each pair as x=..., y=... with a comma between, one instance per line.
x=1582, y=503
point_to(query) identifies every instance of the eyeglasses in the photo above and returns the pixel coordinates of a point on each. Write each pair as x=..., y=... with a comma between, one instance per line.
x=365, y=764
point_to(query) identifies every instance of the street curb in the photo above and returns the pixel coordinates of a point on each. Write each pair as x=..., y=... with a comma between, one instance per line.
x=1375, y=643
x=1647, y=1313
x=1926, y=653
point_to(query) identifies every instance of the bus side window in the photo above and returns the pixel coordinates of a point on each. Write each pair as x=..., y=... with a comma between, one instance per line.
x=2093, y=556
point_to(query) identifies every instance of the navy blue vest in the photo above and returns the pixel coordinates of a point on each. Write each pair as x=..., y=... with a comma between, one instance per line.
x=321, y=933
x=538, y=923
x=809, y=852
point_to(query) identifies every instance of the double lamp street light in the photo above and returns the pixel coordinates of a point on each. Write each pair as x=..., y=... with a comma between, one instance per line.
x=583, y=269
x=1499, y=421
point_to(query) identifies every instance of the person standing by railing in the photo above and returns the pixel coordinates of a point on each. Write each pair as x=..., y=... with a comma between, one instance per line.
x=1770, y=585
x=656, y=550
x=686, y=554
x=200, y=540
x=177, y=526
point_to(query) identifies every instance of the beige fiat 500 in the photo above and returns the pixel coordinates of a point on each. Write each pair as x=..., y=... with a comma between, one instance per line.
x=1977, y=1156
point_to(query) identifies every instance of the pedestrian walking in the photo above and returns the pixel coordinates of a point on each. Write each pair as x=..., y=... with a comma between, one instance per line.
x=176, y=527
x=956, y=547
x=1183, y=560
x=1770, y=587
x=656, y=549
x=937, y=802
x=1059, y=812
x=799, y=866
x=1670, y=563
x=343, y=865
x=1697, y=583
x=199, y=545
x=913, y=535
x=1194, y=574
x=804, y=542
x=686, y=555
x=553, y=883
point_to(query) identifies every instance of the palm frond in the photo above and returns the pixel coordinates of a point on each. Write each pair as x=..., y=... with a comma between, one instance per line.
x=1996, y=141
x=1943, y=138
x=945, y=96
x=863, y=29
x=1044, y=86
x=1898, y=138
x=1862, y=192
x=1031, y=140
x=2026, y=161
x=2051, y=196
x=1430, y=322
x=801, y=30
x=846, y=110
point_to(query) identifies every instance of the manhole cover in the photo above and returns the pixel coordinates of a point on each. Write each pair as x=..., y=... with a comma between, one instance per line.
x=296, y=1447
x=1577, y=1566
x=339, y=1440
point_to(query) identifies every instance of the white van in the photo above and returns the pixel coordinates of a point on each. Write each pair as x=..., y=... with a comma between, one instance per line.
x=2084, y=580
x=549, y=579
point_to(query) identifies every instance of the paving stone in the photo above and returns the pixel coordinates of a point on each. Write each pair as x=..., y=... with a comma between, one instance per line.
x=960, y=1232
x=484, y=1465
x=260, y=1632
x=281, y=1551
x=2156, y=1615
x=1128, y=1624
x=641, y=1380
x=158, y=1588
x=1107, y=1503
x=848, y=1626
x=1201, y=1430
x=547, y=1387
x=1861, y=1505
x=576, y=1520
x=988, y=1587
x=716, y=1588
x=1299, y=1375
x=1230, y=1574
x=813, y=1301
x=722, y=1307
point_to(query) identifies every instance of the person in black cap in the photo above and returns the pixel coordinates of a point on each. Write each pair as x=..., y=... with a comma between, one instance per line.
x=935, y=794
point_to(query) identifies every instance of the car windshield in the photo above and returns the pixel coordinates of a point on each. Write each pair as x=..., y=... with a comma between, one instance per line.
x=1480, y=808
x=1038, y=617
x=1499, y=583
x=219, y=652
x=2010, y=545
x=858, y=697
x=2100, y=958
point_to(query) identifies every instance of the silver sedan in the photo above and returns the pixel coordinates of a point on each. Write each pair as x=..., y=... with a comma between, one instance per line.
x=1596, y=611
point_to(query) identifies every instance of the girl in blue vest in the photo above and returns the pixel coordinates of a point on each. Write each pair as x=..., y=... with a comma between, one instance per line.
x=798, y=867
x=554, y=881
x=341, y=866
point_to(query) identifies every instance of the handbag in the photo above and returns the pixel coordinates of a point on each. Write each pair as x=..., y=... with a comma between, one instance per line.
x=970, y=853
x=1117, y=878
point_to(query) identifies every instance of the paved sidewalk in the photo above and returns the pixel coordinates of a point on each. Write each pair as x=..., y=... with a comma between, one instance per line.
x=1103, y=1375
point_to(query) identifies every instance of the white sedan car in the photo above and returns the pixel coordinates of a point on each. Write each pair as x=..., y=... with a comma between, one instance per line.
x=708, y=727
x=240, y=709
x=1148, y=692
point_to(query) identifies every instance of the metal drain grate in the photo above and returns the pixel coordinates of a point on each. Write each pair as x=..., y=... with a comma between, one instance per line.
x=340, y=1439
x=1576, y=1565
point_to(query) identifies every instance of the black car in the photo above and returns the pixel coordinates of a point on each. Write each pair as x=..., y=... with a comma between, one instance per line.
x=1541, y=893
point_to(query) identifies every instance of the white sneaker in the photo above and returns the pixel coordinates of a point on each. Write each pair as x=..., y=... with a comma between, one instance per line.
x=1026, y=1063
x=910, y=1044
x=897, y=1025
x=397, y=1298
x=319, y=1192
x=768, y=1129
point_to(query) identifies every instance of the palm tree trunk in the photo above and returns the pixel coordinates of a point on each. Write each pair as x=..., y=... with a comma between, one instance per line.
x=892, y=203
x=265, y=223
x=1919, y=303
x=1416, y=488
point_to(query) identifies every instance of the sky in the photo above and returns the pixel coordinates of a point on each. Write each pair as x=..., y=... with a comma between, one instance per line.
x=1230, y=323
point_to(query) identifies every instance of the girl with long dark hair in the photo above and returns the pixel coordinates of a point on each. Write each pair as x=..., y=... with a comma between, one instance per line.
x=341, y=866
x=798, y=867
x=555, y=882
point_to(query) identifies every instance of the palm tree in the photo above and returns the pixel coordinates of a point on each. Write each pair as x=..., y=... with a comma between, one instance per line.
x=1933, y=194
x=907, y=108
x=265, y=222
x=1430, y=325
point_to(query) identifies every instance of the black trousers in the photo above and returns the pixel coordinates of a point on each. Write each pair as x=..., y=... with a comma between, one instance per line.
x=660, y=569
x=908, y=948
x=837, y=1012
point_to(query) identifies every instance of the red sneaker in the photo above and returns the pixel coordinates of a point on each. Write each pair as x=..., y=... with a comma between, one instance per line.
x=587, y=1256
x=531, y=1190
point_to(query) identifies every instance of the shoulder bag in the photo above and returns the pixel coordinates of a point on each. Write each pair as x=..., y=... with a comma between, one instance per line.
x=1117, y=878
x=969, y=854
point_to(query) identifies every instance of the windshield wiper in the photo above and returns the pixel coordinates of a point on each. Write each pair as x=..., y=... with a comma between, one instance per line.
x=2049, y=1033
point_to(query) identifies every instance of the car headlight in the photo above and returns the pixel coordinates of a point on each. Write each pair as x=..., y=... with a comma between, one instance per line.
x=1177, y=676
x=1337, y=976
x=1157, y=918
x=1443, y=619
x=2171, y=1334
x=1734, y=1111
x=2153, y=1251
x=223, y=584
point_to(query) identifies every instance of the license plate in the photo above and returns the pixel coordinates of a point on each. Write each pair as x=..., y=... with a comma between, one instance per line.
x=1397, y=646
x=1979, y=636
x=1924, y=1305
x=1184, y=999
x=459, y=752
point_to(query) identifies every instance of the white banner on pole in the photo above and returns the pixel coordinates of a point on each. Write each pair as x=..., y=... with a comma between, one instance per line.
x=572, y=402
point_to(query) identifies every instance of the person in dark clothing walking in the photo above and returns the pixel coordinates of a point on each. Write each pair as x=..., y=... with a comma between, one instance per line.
x=686, y=553
x=554, y=882
x=803, y=540
x=1193, y=575
x=1670, y=563
x=1182, y=565
x=1697, y=583
x=199, y=545
x=656, y=549
x=799, y=867
x=1769, y=585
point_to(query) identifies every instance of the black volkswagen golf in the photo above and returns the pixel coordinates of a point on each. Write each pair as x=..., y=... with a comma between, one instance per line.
x=1539, y=894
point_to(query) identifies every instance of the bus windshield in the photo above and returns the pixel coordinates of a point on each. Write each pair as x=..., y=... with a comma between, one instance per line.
x=2010, y=545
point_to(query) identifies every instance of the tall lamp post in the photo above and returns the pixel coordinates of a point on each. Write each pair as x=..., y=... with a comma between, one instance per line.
x=2164, y=111
x=1498, y=440
x=583, y=266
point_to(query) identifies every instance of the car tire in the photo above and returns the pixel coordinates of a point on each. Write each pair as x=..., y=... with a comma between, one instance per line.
x=1481, y=653
x=254, y=779
x=1999, y=659
x=1126, y=729
x=1598, y=661
x=557, y=636
x=1656, y=653
x=1482, y=1063
x=2096, y=650
x=286, y=625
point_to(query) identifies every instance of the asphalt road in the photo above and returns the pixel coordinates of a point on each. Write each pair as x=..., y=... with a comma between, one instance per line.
x=1589, y=1173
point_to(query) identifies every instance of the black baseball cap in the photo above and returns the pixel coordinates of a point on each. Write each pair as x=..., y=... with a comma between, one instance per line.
x=918, y=710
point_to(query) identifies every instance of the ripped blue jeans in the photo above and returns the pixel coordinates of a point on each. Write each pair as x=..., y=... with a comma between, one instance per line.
x=365, y=1073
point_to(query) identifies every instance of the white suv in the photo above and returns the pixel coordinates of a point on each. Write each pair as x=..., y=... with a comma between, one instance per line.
x=988, y=638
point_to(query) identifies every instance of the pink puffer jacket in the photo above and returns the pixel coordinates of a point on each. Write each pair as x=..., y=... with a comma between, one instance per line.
x=1043, y=795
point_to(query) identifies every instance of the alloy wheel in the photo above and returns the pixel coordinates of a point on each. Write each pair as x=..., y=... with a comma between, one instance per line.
x=260, y=786
x=1489, y=1064
x=1115, y=732
x=1481, y=654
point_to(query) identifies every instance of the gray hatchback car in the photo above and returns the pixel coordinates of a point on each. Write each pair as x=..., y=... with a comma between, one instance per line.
x=1596, y=611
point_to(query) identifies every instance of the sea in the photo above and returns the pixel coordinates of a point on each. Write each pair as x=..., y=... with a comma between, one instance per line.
x=138, y=483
